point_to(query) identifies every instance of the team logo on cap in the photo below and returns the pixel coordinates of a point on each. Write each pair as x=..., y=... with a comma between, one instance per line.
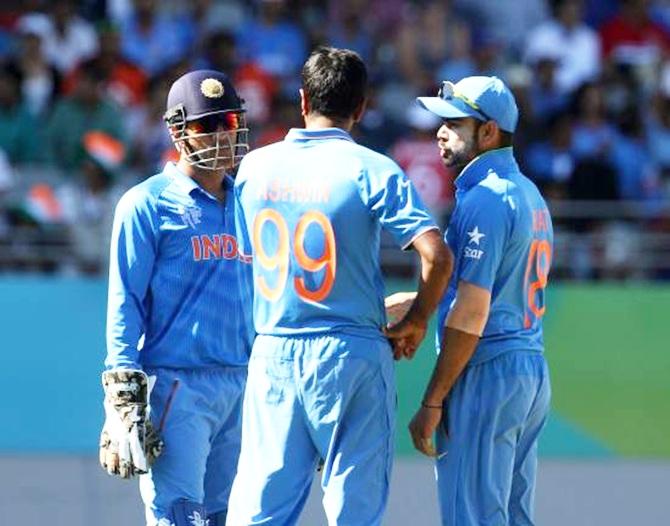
x=211, y=88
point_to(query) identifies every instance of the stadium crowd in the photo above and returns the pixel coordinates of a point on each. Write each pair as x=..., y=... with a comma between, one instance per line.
x=83, y=88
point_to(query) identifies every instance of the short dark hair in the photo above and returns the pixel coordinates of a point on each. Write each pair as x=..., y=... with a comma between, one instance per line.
x=334, y=82
x=506, y=138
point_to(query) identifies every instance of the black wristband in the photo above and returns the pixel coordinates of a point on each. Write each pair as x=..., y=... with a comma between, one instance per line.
x=428, y=406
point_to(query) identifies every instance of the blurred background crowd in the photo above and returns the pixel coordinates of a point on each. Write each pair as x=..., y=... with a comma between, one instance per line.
x=83, y=86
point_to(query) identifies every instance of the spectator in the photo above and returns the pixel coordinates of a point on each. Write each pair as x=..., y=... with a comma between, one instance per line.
x=460, y=63
x=632, y=38
x=205, y=17
x=593, y=177
x=88, y=202
x=218, y=52
x=377, y=129
x=507, y=21
x=350, y=32
x=124, y=82
x=573, y=45
x=597, y=12
x=84, y=110
x=568, y=135
x=658, y=126
x=40, y=82
x=284, y=117
x=545, y=97
x=637, y=174
x=275, y=43
x=259, y=89
x=488, y=54
x=420, y=57
x=150, y=141
x=380, y=17
x=153, y=39
x=593, y=135
x=255, y=85
x=19, y=130
x=550, y=162
x=67, y=39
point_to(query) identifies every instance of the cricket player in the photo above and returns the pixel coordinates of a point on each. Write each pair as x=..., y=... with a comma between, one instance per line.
x=321, y=380
x=488, y=396
x=178, y=334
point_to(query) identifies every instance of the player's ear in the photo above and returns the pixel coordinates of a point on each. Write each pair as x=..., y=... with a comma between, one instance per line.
x=489, y=135
x=304, y=103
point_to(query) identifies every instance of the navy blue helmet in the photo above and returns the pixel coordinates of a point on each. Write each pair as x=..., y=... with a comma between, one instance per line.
x=207, y=120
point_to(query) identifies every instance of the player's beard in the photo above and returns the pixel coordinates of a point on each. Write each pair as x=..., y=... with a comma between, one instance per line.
x=458, y=159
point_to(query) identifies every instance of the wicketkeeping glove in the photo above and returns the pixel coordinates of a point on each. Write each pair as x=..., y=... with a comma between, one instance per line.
x=128, y=442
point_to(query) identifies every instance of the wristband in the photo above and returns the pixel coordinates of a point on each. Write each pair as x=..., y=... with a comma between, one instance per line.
x=428, y=406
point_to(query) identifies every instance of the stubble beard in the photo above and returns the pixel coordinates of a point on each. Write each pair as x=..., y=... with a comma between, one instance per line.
x=460, y=159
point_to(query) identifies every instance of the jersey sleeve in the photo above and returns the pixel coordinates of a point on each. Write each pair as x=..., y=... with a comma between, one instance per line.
x=132, y=255
x=483, y=226
x=393, y=200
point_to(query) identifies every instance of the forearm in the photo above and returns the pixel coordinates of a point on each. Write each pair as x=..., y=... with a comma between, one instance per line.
x=464, y=326
x=436, y=267
x=122, y=343
x=125, y=320
x=457, y=349
x=125, y=314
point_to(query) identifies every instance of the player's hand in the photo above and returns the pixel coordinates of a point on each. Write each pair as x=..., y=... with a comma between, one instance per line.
x=397, y=305
x=128, y=442
x=422, y=429
x=406, y=336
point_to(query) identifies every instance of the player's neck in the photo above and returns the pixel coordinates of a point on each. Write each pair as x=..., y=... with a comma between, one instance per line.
x=317, y=122
x=209, y=180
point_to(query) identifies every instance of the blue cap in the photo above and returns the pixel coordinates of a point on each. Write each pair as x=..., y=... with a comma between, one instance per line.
x=484, y=98
x=202, y=92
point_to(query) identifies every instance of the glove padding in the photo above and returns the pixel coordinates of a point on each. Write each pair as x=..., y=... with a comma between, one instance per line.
x=129, y=444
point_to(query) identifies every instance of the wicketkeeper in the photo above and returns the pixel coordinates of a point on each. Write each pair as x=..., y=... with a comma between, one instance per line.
x=178, y=330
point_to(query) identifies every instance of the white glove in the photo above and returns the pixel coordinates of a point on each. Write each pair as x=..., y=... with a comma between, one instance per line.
x=128, y=442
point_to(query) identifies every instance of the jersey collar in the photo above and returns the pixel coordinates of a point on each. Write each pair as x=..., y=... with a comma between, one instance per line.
x=314, y=134
x=187, y=185
x=500, y=161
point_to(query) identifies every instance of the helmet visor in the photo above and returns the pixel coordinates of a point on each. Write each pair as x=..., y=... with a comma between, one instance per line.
x=215, y=122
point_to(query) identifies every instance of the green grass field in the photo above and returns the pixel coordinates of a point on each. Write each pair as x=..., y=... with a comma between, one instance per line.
x=609, y=354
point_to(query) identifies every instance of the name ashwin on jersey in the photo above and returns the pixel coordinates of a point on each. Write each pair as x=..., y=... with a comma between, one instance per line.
x=288, y=192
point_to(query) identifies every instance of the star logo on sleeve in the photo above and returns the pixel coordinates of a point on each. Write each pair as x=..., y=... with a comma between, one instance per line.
x=475, y=236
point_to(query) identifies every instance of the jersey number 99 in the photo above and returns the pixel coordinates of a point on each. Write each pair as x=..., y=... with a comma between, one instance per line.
x=279, y=260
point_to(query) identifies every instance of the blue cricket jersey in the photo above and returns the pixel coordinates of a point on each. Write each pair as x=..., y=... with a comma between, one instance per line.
x=312, y=208
x=502, y=238
x=179, y=292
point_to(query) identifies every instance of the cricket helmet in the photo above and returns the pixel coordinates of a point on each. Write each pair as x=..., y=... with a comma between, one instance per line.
x=207, y=121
